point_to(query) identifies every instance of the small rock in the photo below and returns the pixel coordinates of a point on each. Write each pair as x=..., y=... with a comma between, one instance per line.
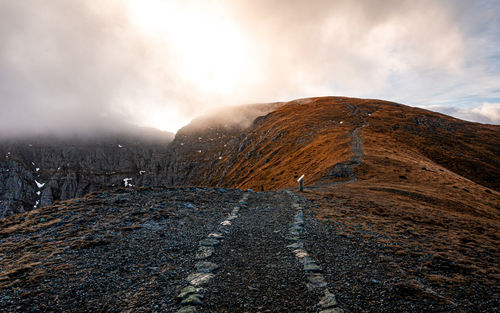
x=196, y=279
x=328, y=300
x=216, y=235
x=300, y=253
x=187, y=206
x=333, y=310
x=188, y=309
x=206, y=267
x=194, y=299
x=204, y=252
x=231, y=217
x=312, y=268
x=296, y=245
x=293, y=238
x=296, y=228
x=209, y=242
x=307, y=260
x=185, y=292
x=316, y=281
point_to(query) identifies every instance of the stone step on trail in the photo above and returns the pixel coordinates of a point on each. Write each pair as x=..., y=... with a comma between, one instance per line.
x=192, y=295
x=315, y=279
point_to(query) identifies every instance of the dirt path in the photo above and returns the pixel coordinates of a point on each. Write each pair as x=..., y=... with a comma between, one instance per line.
x=345, y=169
x=259, y=263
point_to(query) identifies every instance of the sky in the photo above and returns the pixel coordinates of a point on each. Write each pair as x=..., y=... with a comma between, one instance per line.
x=78, y=65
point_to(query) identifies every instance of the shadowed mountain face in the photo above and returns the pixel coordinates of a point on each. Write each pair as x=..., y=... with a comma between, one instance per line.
x=36, y=171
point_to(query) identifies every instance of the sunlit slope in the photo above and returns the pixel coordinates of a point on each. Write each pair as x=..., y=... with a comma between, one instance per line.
x=310, y=136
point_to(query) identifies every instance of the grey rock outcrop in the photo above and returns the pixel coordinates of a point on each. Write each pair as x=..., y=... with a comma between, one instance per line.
x=36, y=172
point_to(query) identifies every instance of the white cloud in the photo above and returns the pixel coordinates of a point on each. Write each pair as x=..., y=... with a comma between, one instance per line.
x=485, y=112
x=490, y=111
x=74, y=64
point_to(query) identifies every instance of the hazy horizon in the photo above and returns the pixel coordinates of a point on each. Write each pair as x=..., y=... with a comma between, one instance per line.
x=75, y=66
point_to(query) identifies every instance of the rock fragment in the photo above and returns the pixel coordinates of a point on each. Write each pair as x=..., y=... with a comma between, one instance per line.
x=196, y=279
x=206, y=267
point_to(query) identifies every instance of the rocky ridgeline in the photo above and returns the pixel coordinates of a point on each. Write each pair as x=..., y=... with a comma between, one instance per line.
x=36, y=172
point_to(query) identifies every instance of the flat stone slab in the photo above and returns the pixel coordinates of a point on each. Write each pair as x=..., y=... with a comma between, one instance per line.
x=312, y=268
x=204, y=252
x=209, y=242
x=206, y=267
x=328, y=300
x=185, y=292
x=193, y=299
x=296, y=245
x=333, y=310
x=196, y=279
x=188, y=309
x=300, y=253
x=316, y=281
x=216, y=235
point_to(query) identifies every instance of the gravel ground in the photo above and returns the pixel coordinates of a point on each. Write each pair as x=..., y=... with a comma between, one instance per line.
x=134, y=250
x=112, y=252
x=258, y=273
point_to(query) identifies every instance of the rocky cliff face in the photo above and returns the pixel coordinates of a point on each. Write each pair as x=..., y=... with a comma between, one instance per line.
x=37, y=171
x=203, y=151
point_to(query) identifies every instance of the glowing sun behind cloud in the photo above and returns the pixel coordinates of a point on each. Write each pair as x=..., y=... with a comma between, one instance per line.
x=209, y=48
x=206, y=48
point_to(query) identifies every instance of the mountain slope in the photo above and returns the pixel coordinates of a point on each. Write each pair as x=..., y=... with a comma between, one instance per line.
x=310, y=136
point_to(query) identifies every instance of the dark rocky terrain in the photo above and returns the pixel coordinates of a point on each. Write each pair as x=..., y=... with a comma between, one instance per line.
x=136, y=250
x=400, y=213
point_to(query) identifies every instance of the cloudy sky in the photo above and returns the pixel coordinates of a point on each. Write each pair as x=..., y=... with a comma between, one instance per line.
x=73, y=65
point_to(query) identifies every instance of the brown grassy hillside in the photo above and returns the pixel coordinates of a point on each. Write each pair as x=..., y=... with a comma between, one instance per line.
x=310, y=136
